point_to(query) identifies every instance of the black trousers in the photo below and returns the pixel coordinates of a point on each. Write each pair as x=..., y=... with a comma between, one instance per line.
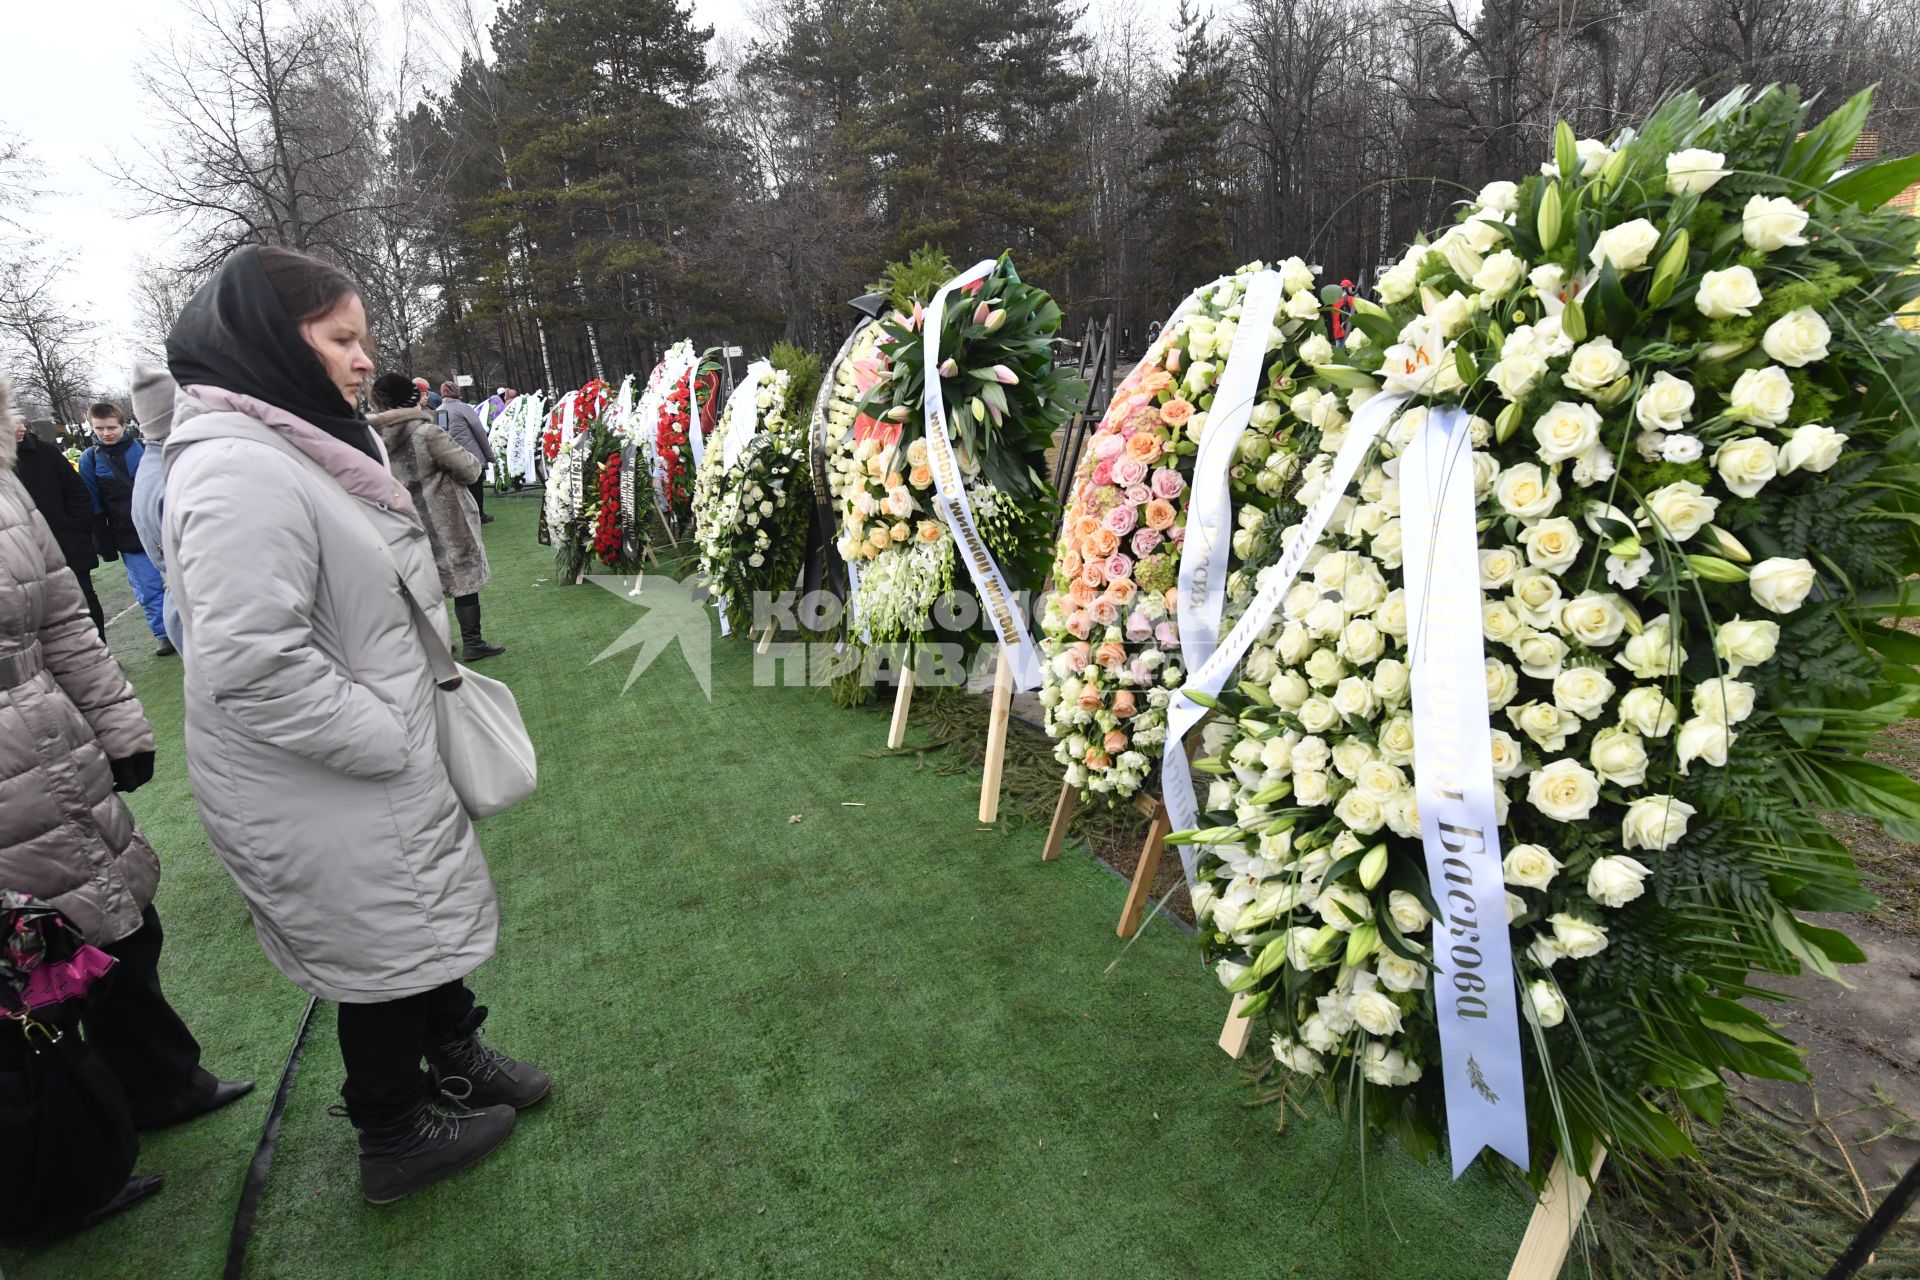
x=142, y=1040
x=93, y=602
x=384, y=1045
x=479, y=490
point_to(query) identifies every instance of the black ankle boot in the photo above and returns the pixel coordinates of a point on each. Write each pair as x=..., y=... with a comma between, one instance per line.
x=429, y=1142
x=473, y=646
x=492, y=1076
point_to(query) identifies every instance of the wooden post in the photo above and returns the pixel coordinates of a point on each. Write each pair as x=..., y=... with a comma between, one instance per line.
x=766, y=641
x=1063, y=810
x=902, y=699
x=1144, y=871
x=1549, y=1236
x=997, y=737
x=1239, y=1029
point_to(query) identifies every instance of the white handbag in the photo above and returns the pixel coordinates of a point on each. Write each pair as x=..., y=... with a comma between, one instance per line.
x=483, y=741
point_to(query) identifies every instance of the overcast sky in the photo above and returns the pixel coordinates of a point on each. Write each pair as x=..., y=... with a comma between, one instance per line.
x=70, y=86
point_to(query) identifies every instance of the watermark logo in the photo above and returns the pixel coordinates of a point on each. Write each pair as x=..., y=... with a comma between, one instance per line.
x=672, y=612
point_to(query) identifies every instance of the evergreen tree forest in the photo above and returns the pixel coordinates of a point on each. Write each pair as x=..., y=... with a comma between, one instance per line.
x=541, y=190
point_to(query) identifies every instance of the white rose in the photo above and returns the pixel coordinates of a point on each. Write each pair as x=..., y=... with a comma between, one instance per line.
x=1507, y=760
x=1398, y=974
x=1582, y=690
x=1551, y=544
x=1526, y=491
x=1732, y=292
x=1361, y=642
x=1666, y=404
x=1681, y=447
x=1497, y=567
x=1797, y=338
x=1500, y=273
x=1390, y=681
x=1289, y=689
x=1391, y=614
x=1324, y=668
x=1398, y=283
x=1547, y=1005
x=1761, y=397
x=1594, y=366
x=1549, y=279
x=1376, y=1013
x=1396, y=740
x=1779, y=584
x=1453, y=313
x=1770, y=223
x=1297, y=1058
x=1742, y=644
x=1704, y=739
x=1516, y=372
x=1594, y=620
x=1310, y=789
x=1627, y=246
x=1810, y=448
x=1594, y=155
x=1694, y=170
x=1653, y=654
x=1536, y=592
x=1355, y=697
x=1648, y=711
x=1296, y=642
x=1681, y=509
x=1499, y=197
x=1219, y=795
x=1564, y=790
x=1724, y=700
x=1316, y=351
x=1746, y=465
x=1343, y=907
x=1503, y=682
x=1497, y=622
x=1655, y=822
x=1575, y=938
x=1303, y=305
x=1616, y=881
x=1408, y=915
x=1360, y=811
x=1545, y=723
x=1352, y=756
x=1294, y=275
x=1567, y=430
x=1529, y=866
x=1540, y=654
x=1619, y=757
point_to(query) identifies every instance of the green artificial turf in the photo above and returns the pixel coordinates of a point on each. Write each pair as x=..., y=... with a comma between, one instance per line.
x=873, y=1041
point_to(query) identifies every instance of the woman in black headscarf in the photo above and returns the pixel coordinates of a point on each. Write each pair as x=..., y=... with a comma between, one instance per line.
x=311, y=739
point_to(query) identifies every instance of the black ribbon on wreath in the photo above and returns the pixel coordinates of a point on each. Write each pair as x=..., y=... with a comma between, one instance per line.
x=630, y=545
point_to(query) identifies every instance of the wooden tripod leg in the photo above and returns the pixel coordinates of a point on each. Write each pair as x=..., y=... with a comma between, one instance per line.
x=1144, y=872
x=1063, y=810
x=1239, y=1029
x=997, y=738
x=766, y=641
x=1550, y=1231
x=902, y=699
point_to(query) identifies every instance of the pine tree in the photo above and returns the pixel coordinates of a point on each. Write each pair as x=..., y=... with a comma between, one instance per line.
x=1184, y=184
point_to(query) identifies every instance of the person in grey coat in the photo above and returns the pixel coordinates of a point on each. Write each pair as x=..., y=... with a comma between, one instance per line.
x=310, y=728
x=462, y=422
x=439, y=476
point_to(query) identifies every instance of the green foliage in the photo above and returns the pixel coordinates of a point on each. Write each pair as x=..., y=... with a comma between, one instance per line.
x=804, y=369
x=914, y=280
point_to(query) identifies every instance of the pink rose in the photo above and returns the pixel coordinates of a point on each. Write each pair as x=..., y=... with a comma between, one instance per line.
x=1103, y=472
x=1167, y=483
x=1139, y=627
x=1119, y=566
x=1166, y=633
x=1144, y=541
x=1108, y=445
x=1140, y=673
x=1128, y=471
x=1080, y=623
x=1177, y=535
x=1103, y=611
x=1139, y=495
x=1094, y=572
x=1122, y=519
x=1077, y=657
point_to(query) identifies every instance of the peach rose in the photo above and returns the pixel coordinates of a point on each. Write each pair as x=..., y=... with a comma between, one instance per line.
x=1079, y=624
x=1083, y=592
x=1084, y=527
x=1156, y=381
x=1105, y=541
x=893, y=480
x=1173, y=600
x=1094, y=573
x=1176, y=411
x=929, y=531
x=920, y=477
x=1097, y=759
x=1159, y=515
x=1110, y=654
x=1143, y=447
x=1104, y=611
x=1120, y=590
x=1089, y=699
x=1069, y=562
x=1115, y=742
x=1123, y=704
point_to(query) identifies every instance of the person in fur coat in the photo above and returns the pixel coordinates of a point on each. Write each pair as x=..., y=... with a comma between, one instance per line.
x=439, y=476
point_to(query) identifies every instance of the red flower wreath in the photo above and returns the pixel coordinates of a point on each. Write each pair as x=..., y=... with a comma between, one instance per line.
x=606, y=528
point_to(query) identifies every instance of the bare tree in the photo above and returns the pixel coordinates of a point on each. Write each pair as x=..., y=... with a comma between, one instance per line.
x=49, y=344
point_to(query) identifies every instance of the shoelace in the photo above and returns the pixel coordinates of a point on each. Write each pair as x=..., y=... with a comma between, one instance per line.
x=478, y=1061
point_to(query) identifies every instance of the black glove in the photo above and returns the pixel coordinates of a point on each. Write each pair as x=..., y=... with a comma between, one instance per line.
x=103, y=543
x=133, y=772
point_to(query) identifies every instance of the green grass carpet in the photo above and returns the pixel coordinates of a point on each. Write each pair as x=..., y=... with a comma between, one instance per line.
x=873, y=1042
